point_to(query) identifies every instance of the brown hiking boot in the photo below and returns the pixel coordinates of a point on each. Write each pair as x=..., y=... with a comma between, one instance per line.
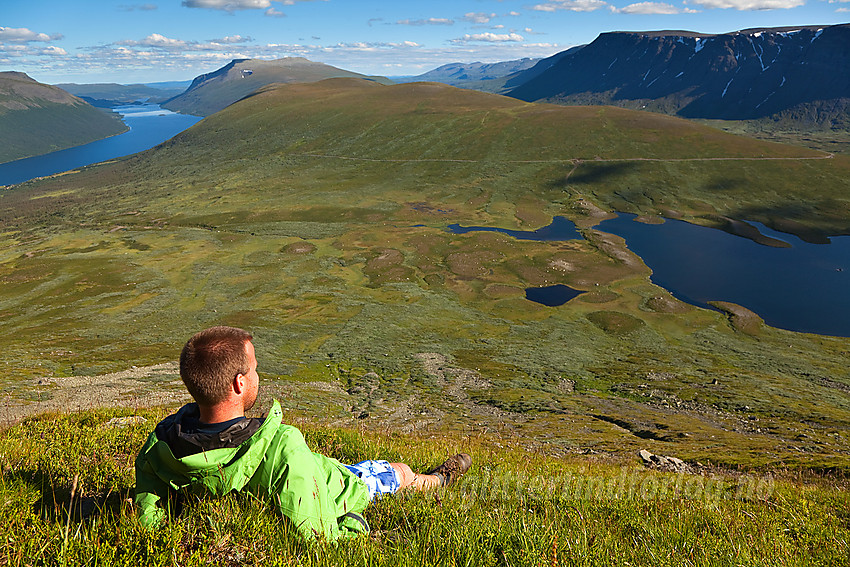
x=452, y=469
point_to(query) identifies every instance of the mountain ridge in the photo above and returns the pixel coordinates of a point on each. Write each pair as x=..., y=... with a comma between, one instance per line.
x=211, y=92
x=748, y=74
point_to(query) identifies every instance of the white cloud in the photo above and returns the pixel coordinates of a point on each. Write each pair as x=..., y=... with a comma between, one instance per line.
x=647, y=8
x=52, y=50
x=843, y=10
x=571, y=5
x=488, y=38
x=159, y=57
x=275, y=13
x=231, y=39
x=427, y=22
x=747, y=5
x=24, y=51
x=158, y=41
x=23, y=35
x=513, y=13
x=478, y=17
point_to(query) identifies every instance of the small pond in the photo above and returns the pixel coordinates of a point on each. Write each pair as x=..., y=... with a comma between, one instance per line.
x=560, y=229
x=551, y=296
x=805, y=287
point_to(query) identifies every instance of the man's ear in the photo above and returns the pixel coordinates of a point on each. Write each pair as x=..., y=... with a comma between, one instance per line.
x=239, y=384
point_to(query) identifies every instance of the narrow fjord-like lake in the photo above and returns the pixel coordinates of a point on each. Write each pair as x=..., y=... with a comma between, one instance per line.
x=149, y=125
x=805, y=287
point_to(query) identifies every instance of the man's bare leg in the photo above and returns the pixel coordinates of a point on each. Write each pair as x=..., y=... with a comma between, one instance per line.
x=443, y=475
x=410, y=479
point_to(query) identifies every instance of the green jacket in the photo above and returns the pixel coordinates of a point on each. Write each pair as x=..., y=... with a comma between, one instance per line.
x=319, y=495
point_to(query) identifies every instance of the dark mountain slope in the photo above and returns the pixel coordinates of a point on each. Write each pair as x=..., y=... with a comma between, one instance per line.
x=36, y=118
x=796, y=72
x=214, y=91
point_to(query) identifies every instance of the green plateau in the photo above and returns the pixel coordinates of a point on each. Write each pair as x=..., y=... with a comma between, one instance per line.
x=315, y=216
x=36, y=118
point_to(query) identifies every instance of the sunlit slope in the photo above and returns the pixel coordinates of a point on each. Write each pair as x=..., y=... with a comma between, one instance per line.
x=315, y=216
x=36, y=118
x=214, y=91
x=619, y=159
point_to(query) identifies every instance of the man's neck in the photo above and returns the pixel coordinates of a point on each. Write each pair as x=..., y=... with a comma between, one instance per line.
x=220, y=413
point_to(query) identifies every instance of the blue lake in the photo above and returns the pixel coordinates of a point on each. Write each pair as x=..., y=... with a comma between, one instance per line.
x=802, y=288
x=805, y=287
x=149, y=125
x=560, y=229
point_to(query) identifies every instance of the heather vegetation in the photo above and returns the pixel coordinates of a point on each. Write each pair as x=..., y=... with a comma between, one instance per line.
x=315, y=215
x=66, y=503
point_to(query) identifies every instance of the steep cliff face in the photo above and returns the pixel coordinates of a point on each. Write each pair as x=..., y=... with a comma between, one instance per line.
x=795, y=72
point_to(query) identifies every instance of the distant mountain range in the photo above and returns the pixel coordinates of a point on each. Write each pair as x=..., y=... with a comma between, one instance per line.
x=798, y=74
x=460, y=74
x=214, y=91
x=107, y=95
x=36, y=118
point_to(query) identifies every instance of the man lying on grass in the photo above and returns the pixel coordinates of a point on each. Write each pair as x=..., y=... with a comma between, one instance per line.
x=210, y=448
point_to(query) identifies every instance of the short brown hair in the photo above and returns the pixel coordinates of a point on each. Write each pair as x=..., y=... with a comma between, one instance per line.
x=211, y=359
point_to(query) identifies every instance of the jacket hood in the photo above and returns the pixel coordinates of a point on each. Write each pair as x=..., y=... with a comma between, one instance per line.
x=218, y=470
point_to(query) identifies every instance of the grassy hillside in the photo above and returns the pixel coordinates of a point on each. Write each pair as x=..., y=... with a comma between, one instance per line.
x=37, y=118
x=315, y=216
x=66, y=503
x=214, y=91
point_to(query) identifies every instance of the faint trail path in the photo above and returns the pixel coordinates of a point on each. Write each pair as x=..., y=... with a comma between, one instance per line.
x=574, y=161
x=136, y=387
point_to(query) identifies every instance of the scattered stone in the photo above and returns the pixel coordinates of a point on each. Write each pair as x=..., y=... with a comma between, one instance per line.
x=662, y=463
x=566, y=385
x=120, y=422
x=660, y=375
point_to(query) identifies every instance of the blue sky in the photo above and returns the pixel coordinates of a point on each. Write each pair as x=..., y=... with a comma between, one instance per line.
x=123, y=41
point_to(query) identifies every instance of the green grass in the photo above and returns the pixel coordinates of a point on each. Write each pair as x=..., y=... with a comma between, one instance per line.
x=515, y=507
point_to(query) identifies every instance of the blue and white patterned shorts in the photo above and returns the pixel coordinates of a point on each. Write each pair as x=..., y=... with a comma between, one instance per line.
x=380, y=477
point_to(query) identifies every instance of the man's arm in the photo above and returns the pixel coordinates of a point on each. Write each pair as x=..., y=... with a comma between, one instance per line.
x=149, y=488
x=298, y=487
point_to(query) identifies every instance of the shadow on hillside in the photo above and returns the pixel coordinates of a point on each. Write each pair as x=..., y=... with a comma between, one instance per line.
x=720, y=184
x=789, y=218
x=589, y=173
